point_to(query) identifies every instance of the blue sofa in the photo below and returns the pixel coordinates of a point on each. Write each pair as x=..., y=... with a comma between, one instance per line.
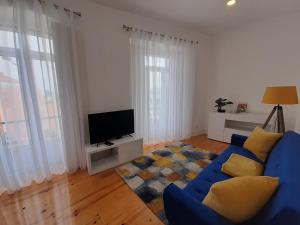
x=184, y=207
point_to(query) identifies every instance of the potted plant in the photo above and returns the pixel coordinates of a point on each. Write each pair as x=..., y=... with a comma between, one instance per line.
x=220, y=102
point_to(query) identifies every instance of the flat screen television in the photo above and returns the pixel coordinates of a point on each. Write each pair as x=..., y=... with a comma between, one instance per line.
x=109, y=125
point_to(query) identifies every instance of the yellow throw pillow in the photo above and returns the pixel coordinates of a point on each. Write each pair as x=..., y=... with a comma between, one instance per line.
x=238, y=166
x=261, y=142
x=241, y=198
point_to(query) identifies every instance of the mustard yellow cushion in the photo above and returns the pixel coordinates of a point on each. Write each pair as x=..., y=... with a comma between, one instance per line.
x=241, y=198
x=238, y=166
x=261, y=142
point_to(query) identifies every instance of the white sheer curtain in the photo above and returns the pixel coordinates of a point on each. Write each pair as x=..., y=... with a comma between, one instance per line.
x=41, y=121
x=163, y=74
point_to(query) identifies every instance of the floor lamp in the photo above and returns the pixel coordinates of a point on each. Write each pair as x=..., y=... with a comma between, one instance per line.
x=284, y=95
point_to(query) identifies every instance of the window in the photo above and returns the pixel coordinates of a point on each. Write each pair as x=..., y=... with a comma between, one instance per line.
x=157, y=67
x=162, y=72
x=14, y=127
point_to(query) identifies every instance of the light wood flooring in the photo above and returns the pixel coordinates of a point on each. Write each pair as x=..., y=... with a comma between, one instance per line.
x=80, y=199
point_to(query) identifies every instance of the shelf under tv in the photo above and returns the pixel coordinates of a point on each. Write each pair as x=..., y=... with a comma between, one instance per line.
x=102, y=157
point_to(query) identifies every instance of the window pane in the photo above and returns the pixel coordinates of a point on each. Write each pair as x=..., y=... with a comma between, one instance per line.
x=11, y=107
x=46, y=91
x=156, y=66
x=155, y=93
x=39, y=44
x=6, y=39
x=155, y=61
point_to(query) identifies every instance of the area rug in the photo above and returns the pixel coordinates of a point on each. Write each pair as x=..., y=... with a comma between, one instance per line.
x=148, y=176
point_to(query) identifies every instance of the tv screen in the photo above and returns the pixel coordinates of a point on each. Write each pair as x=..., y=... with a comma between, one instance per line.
x=109, y=125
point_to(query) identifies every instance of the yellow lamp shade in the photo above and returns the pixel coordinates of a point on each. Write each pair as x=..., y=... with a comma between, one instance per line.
x=284, y=95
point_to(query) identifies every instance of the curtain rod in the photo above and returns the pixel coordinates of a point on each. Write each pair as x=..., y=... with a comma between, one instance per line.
x=128, y=29
x=66, y=10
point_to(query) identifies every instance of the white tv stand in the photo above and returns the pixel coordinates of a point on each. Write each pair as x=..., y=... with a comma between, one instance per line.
x=103, y=157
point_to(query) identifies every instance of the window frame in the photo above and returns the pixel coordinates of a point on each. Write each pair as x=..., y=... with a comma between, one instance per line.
x=14, y=52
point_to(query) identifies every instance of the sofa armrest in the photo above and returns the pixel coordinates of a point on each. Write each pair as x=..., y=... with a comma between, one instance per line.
x=238, y=140
x=183, y=209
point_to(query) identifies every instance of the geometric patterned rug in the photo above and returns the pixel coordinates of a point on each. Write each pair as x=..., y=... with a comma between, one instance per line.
x=149, y=175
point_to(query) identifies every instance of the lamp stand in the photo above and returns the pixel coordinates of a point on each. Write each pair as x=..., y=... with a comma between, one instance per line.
x=280, y=119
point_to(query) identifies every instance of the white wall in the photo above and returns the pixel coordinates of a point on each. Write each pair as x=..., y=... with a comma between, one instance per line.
x=248, y=59
x=238, y=64
x=108, y=60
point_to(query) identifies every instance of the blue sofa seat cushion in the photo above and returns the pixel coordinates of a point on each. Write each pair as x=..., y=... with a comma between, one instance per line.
x=284, y=162
x=183, y=209
x=200, y=186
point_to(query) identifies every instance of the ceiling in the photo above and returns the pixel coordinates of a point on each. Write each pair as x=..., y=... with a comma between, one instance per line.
x=210, y=16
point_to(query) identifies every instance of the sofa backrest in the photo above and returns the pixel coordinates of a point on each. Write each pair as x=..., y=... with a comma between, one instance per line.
x=283, y=162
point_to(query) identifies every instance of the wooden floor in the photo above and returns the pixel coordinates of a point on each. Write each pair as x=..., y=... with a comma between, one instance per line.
x=80, y=199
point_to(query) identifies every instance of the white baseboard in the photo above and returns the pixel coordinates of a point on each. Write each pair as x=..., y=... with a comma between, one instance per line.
x=199, y=132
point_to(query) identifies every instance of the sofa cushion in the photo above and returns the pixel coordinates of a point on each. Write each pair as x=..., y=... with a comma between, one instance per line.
x=238, y=150
x=261, y=142
x=284, y=162
x=238, y=166
x=200, y=186
x=240, y=198
x=185, y=206
x=183, y=209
